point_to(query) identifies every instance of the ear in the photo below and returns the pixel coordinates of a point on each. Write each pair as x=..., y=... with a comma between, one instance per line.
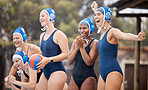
x=108, y=16
x=24, y=37
x=92, y=29
x=25, y=59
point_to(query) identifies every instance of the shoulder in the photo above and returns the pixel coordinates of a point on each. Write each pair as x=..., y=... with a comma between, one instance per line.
x=95, y=42
x=34, y=47
x=60, y=33
x=114, y=29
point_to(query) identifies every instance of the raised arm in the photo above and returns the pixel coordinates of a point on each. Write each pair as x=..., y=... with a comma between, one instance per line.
x=94, y=6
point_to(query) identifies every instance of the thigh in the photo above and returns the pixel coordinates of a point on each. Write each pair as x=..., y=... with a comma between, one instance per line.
x=72, y=85
x=65, y=86
x=42, y=85
x=101, y=84
x=57, y=80
x=113, y=81
x=89, y=84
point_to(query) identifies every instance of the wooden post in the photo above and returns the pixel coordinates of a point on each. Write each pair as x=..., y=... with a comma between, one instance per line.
x=137, y=57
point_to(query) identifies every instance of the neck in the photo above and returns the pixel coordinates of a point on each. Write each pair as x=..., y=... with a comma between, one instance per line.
x=50, y=28
x=107, y=25
x=87, y=39
x=24, y=46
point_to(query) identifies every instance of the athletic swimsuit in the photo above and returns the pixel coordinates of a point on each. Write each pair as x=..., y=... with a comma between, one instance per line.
x=81, y=71
x=49, y=49
x=38, y=74
x=108, y=57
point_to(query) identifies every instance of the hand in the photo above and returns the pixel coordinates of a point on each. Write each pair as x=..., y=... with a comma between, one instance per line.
x=141, y=36
x=12, y=79
x=79, y=42
x=43, y=63
x=94, y=6
x=7, y=79
x=7, y=83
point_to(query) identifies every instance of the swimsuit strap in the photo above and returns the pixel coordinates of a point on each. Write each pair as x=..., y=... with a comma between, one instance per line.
x=28, y=49
x=91, y=42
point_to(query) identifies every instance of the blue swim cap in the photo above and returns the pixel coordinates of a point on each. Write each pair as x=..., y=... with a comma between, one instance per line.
x=21, y=55
x=106, y=11
x=21, y=31
x=88, y=23
x=51, y=13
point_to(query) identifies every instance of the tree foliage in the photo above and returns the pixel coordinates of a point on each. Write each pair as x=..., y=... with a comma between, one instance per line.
x=25, y=13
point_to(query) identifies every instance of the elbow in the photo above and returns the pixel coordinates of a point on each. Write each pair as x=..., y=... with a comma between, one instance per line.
x=69, y=61
x=89, y=63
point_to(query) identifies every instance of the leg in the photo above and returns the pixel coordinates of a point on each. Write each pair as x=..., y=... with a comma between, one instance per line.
x=72, y=85
x=101, y=84
x=57, y=80
x=89, y=84
x=42, y=85
x=113, y=81
x=65, y=86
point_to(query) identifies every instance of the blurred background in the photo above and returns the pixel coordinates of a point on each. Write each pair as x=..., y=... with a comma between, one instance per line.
x=25, y=13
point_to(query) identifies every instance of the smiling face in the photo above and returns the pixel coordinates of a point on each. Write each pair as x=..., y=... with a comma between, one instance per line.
x=18, y=63
x=99, y=18
x=83, y=31
x=17, y=39
x=44, y=19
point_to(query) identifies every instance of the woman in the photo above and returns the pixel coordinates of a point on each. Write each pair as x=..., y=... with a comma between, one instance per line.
x=54, y=47
x=111, y=74
x=20, y=42
x=20, y=62
x=84, y=52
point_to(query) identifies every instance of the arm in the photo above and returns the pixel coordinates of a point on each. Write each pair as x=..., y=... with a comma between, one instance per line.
x=73, y=52
x=93, y=54
x=10, y=85
x=34, y=49
x=13, y=70
x=63, y=43
x=23, y=83
x=94, y=6
x=128, y=36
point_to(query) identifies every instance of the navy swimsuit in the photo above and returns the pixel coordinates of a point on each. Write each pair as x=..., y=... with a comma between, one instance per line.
x=108, y=57
x=38, y=75
x=81, y=71
x=49, y=49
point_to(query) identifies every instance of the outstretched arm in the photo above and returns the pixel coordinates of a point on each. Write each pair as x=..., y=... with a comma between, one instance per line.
x=128, y=36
